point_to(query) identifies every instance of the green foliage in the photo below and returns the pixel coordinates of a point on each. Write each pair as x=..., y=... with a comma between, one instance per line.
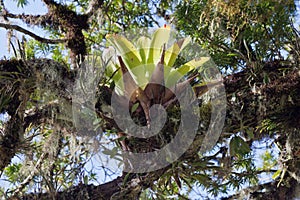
x=12, y=172
x=34, y=49
x=236, y=32
x=148, y=54
x=4, y=101
x=269, y=161
x=268, y=126
x=238, y=147
x=21, y=3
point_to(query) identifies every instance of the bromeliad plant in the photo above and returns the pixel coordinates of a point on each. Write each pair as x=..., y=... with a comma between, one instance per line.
x=147, y=71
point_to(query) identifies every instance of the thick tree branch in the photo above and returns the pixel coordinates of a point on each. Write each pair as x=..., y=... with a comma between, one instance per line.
x=19, y=79
x=251, y=104
x=128, y=186
x=11, y=141
x=72, y=24
x=268, y=190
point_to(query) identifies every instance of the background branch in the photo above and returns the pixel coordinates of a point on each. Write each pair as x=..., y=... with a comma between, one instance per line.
x=31, y=34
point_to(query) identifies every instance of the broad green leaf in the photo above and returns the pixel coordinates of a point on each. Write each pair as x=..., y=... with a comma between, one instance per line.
x=160, y=37
x=173, y=51
x=143, y=45
x=171, y=54
x=170, y=58
x=176, y=74
x=233, y=146
x=244, y=147
x=139, y=75
x=193, y=64
x=131, y=57
x=126, y=49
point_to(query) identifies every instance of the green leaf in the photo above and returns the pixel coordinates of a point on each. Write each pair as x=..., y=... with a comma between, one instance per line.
x=134, y=107
x=21, y=3
x=126, y=49
x=250, y=133
x=174, y=50
x=176, y=74
x=131, y=57
x=12, y=172
x=232, y=54
x=233, y=146
x=276, y=174
x=114, y=152
x=85, y=180
x=238, y=147
x=111, y=152
x=193, y=64
x=170, y=57
x=107, y=152
x=160, y=37
x=143, y=45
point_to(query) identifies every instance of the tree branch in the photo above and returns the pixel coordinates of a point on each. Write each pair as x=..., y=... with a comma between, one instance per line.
x=22, y=185
x=31, y=34
x=268, y=190
x=10, y=141
x=93, y=7
x=26, y=76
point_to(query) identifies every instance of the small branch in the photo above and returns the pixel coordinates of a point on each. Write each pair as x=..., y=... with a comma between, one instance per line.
x=93, y=7
x=31, y=34
x=22, y=185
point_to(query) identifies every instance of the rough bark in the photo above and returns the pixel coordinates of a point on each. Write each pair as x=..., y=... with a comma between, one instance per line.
x=268, y=191
x=20, y=80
